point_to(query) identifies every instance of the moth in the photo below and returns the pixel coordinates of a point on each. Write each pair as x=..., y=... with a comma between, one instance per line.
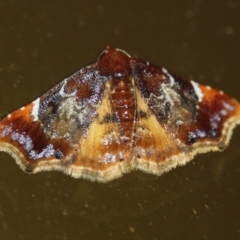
x=117, y=115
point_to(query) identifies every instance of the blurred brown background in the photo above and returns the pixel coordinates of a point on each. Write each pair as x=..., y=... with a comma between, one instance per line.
x=42, y=42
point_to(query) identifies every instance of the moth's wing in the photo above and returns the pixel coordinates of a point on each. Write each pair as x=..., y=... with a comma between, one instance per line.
x=178, y=118
x=46, y=133
x=102, y=155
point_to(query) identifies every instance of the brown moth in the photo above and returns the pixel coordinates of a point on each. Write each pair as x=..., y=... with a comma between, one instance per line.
x=117, y=115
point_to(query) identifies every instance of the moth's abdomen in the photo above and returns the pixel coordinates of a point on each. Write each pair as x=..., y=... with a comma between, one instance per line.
x=124, y=107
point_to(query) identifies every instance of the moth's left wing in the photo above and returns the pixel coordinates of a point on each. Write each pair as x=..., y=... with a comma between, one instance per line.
x=46, y=133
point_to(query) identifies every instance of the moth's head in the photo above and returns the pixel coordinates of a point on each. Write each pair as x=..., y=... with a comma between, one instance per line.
x=114, y=62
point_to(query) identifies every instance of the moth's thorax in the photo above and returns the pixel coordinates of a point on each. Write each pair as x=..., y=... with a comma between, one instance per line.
x=116, y=65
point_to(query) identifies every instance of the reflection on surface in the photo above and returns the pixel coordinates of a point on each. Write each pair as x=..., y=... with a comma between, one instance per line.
x=135, y=204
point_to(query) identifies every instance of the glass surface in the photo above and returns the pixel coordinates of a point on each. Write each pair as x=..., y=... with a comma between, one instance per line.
x=42, y=42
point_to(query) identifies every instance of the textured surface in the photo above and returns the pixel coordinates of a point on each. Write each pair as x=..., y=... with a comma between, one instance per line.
x=118, y=115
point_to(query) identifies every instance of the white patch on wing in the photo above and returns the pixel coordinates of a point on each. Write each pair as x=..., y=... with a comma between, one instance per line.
x=61, y=91
x=172, y=81
x=35, y=109
x=197, y=90
x=67, y=107
x=170, y=95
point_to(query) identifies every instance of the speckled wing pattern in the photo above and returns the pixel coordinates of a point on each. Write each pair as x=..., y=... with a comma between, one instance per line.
x=117, y=115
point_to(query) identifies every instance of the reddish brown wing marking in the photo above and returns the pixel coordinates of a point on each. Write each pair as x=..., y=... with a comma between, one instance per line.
x=188, y=119
x=118, y=115
x=45, y=134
